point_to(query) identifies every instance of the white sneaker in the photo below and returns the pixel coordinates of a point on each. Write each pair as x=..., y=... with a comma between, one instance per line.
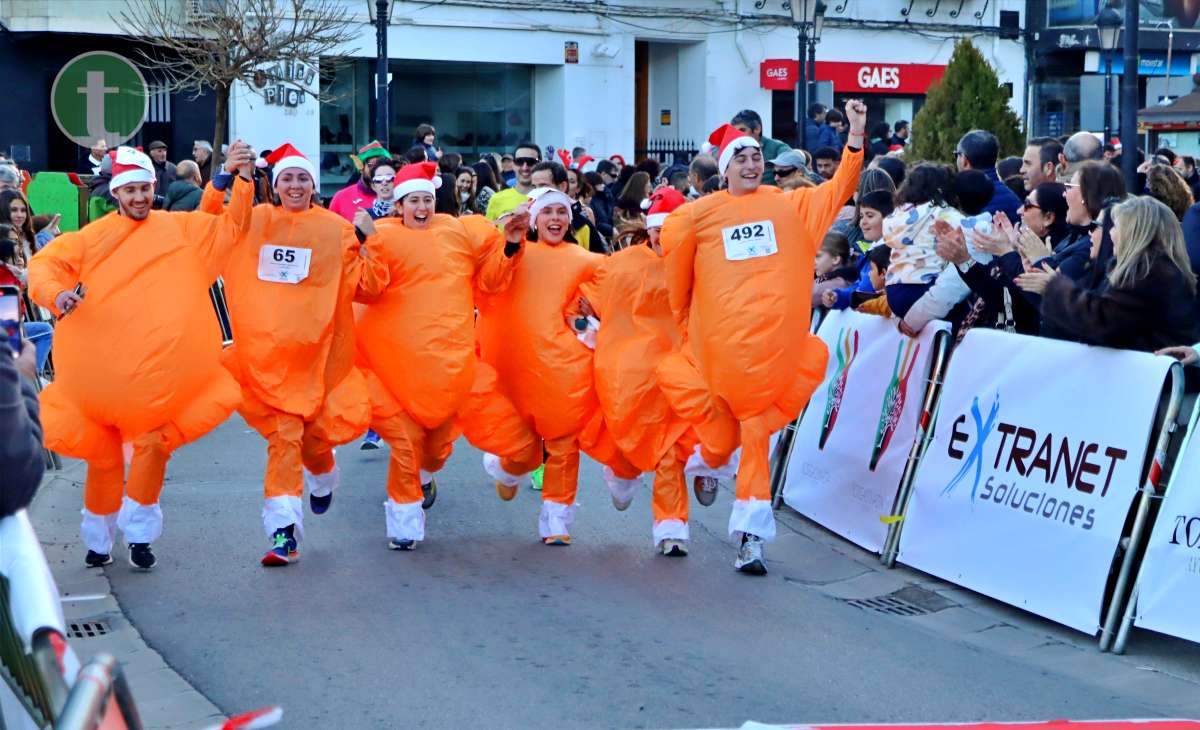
x=673, y=548
x=750, y=556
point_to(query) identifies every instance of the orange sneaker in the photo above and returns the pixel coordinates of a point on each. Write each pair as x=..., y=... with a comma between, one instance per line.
x=557, y=540
x=505, y=492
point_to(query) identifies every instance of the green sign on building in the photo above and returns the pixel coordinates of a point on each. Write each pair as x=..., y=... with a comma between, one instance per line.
x=99, y=95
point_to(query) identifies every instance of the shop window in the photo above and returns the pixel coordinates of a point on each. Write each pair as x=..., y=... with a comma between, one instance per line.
x=1056, y=107
x=475, y=107
x=345, y=121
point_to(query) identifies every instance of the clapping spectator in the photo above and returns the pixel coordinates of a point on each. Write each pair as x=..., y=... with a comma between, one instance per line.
x=1146, y=302
x=46, y=229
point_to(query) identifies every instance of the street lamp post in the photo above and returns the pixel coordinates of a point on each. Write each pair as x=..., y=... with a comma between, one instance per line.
x=1108, y=26
x=814, y=37
x=1129, y=97
x=802, y=17
x=380, y=12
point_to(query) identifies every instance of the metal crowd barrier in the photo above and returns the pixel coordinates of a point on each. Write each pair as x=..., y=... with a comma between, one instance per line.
x=787, y=438
x=99, y=689
x=942, y=346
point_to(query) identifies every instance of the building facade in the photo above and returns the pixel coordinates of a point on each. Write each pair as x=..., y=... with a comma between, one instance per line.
x=615, y=78
x=1068, y=67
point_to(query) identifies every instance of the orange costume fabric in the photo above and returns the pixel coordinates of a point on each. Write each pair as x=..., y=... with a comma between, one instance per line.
x=628, y=293
x=293, y=350
x=138, y=361
x=417, y=342
x=749, y=363
x=542, y=367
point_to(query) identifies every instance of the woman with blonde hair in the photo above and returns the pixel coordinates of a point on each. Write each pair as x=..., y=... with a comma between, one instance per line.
x=1147, y=300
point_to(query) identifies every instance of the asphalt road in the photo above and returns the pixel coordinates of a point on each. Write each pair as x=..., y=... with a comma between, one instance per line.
x=483, y=626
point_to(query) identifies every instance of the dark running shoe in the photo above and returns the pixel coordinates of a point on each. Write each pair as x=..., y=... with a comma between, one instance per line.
x=320, y=505
x=141, y=556
x=429, y=492
x=97, y=560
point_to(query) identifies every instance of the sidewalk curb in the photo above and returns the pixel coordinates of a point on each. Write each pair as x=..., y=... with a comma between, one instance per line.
x=165, y=700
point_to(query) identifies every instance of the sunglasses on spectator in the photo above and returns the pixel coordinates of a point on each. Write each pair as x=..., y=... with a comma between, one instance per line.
x=784, y=171
x=525, y=161
x=383, y=179
x=1030, y=204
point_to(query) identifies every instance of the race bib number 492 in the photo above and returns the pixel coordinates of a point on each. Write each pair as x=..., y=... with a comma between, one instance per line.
x=283, y=264
x=750, y=241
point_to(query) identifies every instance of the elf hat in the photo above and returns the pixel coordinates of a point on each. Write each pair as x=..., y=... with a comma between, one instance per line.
x=374, y=149
x=130, y=166
x=287, y=157
x=728, y=140
x=420, y=177
x=663, y=202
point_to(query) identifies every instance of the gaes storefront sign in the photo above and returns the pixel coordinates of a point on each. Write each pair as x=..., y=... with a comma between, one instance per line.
x=99, y=95
x=280, y=82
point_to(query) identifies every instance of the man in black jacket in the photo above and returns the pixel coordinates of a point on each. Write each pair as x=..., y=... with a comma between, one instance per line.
x=20, y=431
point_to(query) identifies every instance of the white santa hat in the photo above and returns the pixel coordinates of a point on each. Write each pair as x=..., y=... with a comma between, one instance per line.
x=287, y=157
x=543, y=197
x=130, y=166
x=729, y=139
x=420, y=177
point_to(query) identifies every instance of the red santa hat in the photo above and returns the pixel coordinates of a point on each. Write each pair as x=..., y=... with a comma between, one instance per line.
x=287, y=157
x=420, y=177
x=1116, y=143
x=130, y=166
x=728, y=139
x=663, y=202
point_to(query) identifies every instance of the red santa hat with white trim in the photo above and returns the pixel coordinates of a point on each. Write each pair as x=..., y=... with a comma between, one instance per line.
x=663, y=202
x=728, y=139
x=287, y=157
x=419, y=177
x=129, y=167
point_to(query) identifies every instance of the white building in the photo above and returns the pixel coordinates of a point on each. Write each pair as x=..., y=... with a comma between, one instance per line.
x=489, y=74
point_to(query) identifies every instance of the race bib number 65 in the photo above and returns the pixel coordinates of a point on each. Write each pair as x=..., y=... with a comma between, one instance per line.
x=749, y=241
x=283, y=264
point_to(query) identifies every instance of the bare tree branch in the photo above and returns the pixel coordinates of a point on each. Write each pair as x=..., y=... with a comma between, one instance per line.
x=236, y=40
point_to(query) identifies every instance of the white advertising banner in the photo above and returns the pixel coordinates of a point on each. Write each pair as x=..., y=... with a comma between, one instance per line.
x=1169, y=587
x=853, y=441
x=1024, y=491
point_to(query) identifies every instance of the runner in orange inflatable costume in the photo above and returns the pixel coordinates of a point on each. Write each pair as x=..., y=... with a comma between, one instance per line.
x=638, y=432
x=542, y=367
x=740, y=274
x=138, y=352
x=417, y=343
x=290, y=286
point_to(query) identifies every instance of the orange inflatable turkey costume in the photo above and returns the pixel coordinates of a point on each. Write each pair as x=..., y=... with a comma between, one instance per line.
x=417, y=340
x=290, y=286
x=138, y=359
x=740, y=272
x=628, y=295
x=542, y=367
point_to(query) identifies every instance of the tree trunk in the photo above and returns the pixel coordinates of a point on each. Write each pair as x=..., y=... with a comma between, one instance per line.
x=222, y=125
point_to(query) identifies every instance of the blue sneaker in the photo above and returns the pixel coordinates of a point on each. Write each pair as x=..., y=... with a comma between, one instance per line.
x=284, y=550
x=320, y=505
x=370, y=442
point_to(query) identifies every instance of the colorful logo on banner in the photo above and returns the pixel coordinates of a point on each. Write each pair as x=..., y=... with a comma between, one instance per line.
x=982, y=432
x=893, y=399
x=846, y=352
x=1025, y=457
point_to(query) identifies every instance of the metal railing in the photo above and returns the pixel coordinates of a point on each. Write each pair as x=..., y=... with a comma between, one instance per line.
x=668, y=151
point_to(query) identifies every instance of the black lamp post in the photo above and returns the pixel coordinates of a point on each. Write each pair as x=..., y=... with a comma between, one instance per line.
x=380, y=12
x=1108, y=26
x=814, y=37
x=803, y=12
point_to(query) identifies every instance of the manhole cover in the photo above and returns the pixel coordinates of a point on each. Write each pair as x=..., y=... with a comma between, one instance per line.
x=86, y=629
x=909, y=601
